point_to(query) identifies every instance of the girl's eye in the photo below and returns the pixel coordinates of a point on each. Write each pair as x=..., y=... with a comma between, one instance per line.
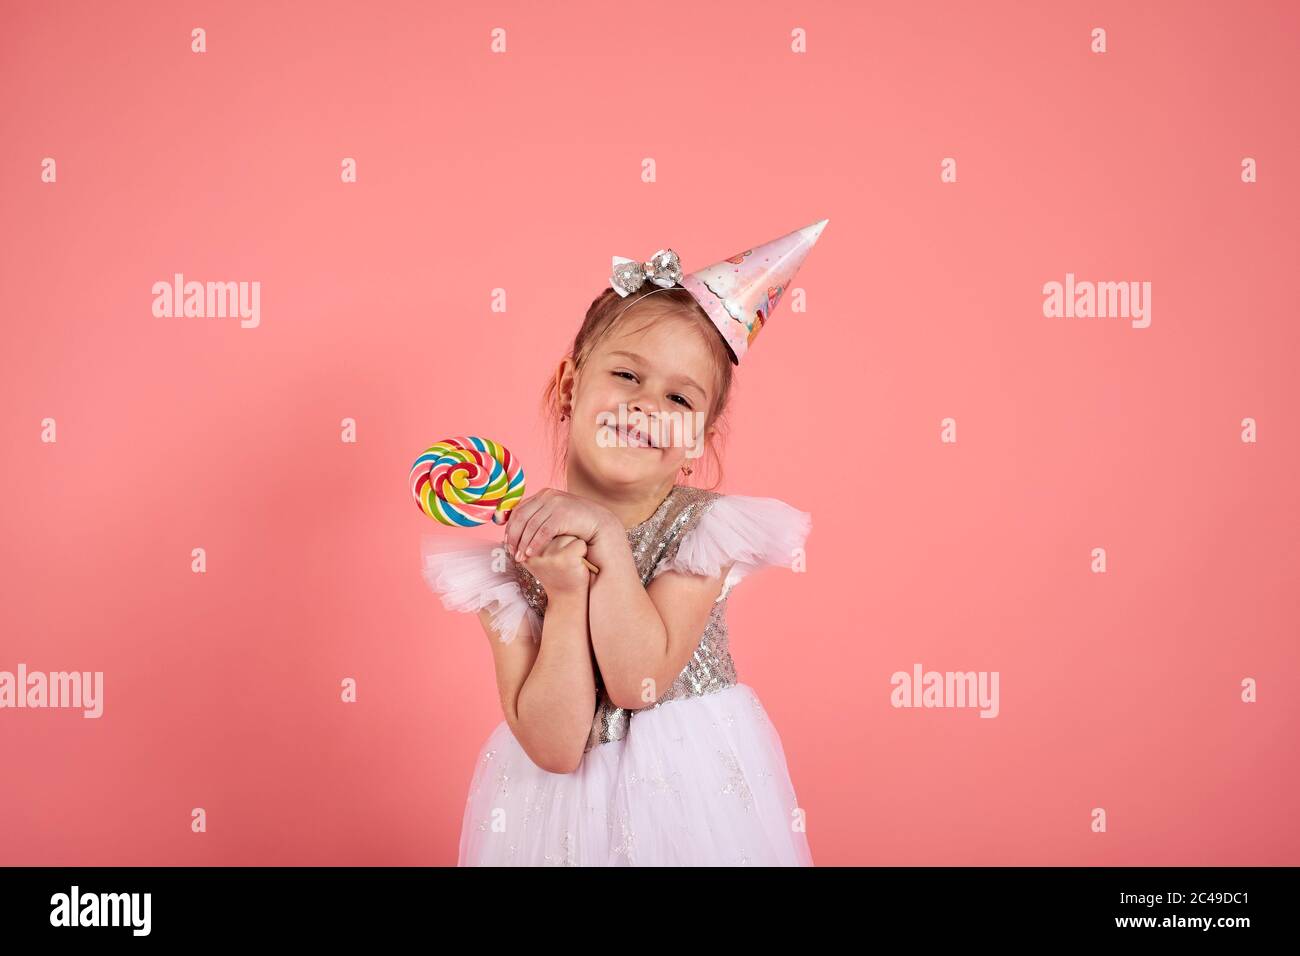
x=684, y=400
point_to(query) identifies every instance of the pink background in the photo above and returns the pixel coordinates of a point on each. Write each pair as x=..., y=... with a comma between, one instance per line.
x=522, y=171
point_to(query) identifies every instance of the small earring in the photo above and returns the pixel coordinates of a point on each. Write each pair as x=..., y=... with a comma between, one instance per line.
x=686, y=470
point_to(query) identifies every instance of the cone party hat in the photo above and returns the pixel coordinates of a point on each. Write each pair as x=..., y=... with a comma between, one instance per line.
x=738, y=293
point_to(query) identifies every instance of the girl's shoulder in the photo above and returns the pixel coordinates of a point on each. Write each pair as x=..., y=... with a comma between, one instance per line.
x=743, y=532
x=473, y=576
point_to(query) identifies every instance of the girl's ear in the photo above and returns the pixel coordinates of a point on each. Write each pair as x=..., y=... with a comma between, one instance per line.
x=564, y=376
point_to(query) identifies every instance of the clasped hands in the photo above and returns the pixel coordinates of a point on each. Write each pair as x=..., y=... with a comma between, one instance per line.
x=550, y=534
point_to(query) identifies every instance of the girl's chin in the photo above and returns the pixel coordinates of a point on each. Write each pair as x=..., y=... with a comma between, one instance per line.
x=622, y=465
x=635, y=459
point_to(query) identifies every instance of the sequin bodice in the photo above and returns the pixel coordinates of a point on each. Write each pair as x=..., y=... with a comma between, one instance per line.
x=653, y=542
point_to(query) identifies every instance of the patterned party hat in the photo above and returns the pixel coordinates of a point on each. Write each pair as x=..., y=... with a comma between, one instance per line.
x=738, y=293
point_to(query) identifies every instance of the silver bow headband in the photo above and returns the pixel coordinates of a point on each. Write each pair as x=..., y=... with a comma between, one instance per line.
x=664, y=269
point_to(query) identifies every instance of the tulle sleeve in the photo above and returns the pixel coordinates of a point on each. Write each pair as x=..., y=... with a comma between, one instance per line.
x=745, y=532
x=471, y=576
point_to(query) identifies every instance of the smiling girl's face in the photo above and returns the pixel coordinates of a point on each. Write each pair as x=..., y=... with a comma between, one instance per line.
x=656, y=375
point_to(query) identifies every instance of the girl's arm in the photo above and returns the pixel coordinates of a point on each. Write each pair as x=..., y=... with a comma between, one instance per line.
x=548, y=690
x=643, y=634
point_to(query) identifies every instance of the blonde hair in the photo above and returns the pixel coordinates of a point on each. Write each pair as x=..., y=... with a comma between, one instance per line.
x=610, y=311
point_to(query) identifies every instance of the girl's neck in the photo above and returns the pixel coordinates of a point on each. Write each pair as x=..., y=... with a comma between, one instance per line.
x=631, y=504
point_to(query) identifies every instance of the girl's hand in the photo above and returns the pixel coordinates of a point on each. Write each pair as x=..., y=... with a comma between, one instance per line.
x=560, y=566
x=550, y=512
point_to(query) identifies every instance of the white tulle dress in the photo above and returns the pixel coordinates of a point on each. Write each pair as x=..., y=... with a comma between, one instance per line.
x=698, y=778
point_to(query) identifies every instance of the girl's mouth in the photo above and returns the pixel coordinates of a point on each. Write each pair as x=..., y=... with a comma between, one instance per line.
x=629, y=435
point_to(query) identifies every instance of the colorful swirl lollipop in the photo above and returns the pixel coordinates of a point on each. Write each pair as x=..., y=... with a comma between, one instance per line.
x=467, y=481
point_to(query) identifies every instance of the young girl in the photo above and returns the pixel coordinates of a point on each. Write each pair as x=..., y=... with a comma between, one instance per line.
x=628, y=738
